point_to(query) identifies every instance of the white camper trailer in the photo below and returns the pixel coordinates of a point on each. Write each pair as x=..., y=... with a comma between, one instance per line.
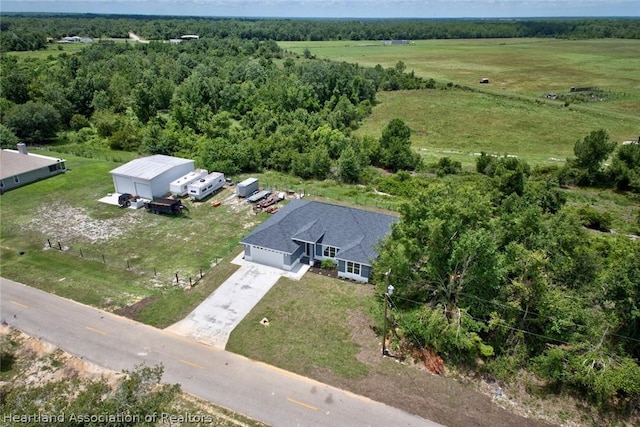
x=179, y=186
x=203, y=187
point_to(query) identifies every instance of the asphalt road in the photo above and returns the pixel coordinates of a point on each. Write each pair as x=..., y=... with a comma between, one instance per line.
x=263, y=392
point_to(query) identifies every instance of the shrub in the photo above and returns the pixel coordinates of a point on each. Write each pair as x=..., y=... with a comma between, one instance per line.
x=328, y=264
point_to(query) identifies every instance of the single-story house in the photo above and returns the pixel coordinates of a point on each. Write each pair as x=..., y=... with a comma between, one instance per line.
x=307, y=231
x=150, y=177
x=19, y=167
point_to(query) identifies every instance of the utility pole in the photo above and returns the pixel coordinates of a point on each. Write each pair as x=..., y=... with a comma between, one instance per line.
x=388, y=293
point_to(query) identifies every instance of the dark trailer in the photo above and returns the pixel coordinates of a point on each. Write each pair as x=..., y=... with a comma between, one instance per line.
x=165, y=206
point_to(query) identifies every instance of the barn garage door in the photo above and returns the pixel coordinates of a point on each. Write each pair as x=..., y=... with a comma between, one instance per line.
x=267, y=257
x=143, y=190
x=123, y=184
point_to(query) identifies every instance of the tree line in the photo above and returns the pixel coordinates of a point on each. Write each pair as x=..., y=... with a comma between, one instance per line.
x=234, y=105
x=28, y=32
x=492, y=271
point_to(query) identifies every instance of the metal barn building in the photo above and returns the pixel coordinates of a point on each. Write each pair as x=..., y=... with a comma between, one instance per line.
x=150, y=177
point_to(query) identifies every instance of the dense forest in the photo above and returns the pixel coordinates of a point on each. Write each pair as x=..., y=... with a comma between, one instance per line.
x=224, y=102
x=491, y=269
x=29, y=32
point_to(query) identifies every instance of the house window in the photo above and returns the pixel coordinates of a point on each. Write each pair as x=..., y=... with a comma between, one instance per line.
x=353, y=268
x=330, y=251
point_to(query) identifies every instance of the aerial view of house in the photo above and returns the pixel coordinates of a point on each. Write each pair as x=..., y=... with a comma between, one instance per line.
x=307, y=231
x=19, y=167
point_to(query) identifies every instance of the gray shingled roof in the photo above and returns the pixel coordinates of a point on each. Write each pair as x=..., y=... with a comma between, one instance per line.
x=354, y=231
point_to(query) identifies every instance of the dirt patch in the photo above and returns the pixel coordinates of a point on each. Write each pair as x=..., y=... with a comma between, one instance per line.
x=439, y=398
x=49, y=364
x=132, y=311
x=64, y=223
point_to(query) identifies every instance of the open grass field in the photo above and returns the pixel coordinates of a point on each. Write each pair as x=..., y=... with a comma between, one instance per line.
x=510, y=115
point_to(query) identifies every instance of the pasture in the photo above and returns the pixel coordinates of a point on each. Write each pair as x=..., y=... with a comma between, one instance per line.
x=511, y=114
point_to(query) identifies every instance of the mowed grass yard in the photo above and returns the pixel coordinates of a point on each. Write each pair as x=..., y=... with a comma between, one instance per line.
x=510, y=115
x=142, y=252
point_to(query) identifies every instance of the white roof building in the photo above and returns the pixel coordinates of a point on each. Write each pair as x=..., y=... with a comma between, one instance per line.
x=150, y=177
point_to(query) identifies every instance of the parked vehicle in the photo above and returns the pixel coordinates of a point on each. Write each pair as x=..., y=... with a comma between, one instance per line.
x=206, y=186
x=165, y=206
x=125, y=199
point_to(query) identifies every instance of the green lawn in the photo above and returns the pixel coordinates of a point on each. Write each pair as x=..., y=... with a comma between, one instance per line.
x=308, y=326
x=112, y=257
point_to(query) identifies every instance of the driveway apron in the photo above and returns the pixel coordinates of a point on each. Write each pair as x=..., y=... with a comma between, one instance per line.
x=213, y=321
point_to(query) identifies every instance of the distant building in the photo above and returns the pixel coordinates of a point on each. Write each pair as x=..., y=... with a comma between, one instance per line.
x=484, y=80
x=19, y=167
x=395, y=42
x=76, y=39
x=190, y=37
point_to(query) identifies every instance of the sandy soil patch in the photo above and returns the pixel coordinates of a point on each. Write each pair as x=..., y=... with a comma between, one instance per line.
x=64, y=223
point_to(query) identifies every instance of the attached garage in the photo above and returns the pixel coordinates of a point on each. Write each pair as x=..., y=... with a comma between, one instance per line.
x=265, y=256
x=150, y=177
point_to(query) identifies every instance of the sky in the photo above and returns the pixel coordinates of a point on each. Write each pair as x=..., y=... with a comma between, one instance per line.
x=336, y=8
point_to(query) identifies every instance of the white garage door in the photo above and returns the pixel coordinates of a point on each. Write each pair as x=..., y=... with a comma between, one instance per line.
x=143, y=190
x=267, y=257
x=123, y=184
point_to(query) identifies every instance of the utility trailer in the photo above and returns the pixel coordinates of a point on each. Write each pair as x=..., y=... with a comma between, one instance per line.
x=258, y=196
x=165, y=206
x=271, y=200
x=247, y=187
x=203, y=187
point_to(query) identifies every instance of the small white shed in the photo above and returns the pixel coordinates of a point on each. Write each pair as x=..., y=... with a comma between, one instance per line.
x=150, y=177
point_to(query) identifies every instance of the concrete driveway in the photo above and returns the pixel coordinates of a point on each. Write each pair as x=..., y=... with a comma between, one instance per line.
x=213, y=320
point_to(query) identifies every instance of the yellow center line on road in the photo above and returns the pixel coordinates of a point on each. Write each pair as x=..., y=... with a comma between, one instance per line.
x=195, y=365
x=97, y=331
x=18, y=304
x=306, y=405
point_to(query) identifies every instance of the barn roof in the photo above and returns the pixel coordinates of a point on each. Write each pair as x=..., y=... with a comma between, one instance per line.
x=149, y=167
